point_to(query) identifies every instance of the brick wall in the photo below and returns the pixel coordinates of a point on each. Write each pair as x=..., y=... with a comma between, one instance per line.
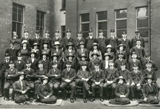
x=31, y=7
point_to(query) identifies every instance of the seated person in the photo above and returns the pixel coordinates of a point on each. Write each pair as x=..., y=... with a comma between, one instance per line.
x=45, y=92
x=121, y=92
x=98, y=76
x=83, y=79
x=68, y=77
x=150, y=92
x=21, y=88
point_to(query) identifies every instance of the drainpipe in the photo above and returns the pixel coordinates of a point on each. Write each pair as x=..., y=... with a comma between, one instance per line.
x=77, y=18
x=149, y=23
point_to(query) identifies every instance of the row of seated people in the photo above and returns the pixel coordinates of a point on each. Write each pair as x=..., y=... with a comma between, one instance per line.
x=119, y=86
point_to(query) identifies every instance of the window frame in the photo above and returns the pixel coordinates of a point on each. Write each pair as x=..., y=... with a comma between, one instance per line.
x=63, y=6
x=21, y=23
x=101, y=21
x=63, y=31
x=86, y=22
x=42, y=26
x=120, y=19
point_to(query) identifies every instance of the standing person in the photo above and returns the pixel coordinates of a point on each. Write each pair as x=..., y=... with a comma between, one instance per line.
x=126, y=42
x=97, y=79
x=26, y=38
x=68, y=38
x=83, y=79
x=68, y=79
x=137, y=37
x=12, y=52
x=89, y=40
x=150, y=92
x=121, y=92
x=79, y=39
x=37, y=39
x=139, y=50
x=46, y=39
x=25, y=51
x=16, y=41
x=113, y=40
x=57, y=38
x=45, y=92
x=10, y=77
x=102, y=41
x=21, y=88
x=3, y=67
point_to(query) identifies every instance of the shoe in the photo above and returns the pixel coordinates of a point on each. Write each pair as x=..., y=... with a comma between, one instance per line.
x=71, y=100
x=84, y=100
x=65, y=98
x=92, y=99
x=101, y=99
x=6, y=99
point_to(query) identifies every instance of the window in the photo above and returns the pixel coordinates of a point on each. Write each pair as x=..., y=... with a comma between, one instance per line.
x=84, y=23
x=17, y=19
x=63, y=5
x=142, y=20
x=102, y=22
x=40, y=22
x=63, y=31
x=121, y=22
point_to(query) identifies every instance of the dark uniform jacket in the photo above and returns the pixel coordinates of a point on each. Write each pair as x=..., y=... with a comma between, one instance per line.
x=102, y=42
x=126, y=75
x=154, y=67
x=113, y=42
x=98, y=76
x=83, y=74
x=30, y=74
x=12, y=53
x=19, y=65
x=139, y=51
x=51, y=74
x=136, y=62
x=119, y=62
x=71, y=74
x=48, y=41
x=11, y=74
x=127, y=44
x=34, y=63
x=46, y=64
x=111, y=74
x=65, y=41
x=41, y=73
x=134, y=40
x=146, y=73
x=89, y=43
x=137, y=78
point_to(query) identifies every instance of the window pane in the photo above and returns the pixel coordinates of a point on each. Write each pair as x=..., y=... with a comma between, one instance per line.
x=85, y=27
x=20, y=11
x=19, y=18
x=14, y=9
x=84, y=17
x=102, y=26
x=121, y=14
x=142, y=12
x=121, y=24
x=142, y=22
x=102, y=15
x=144, y=32
x=119, y=33
x=19, y=29
x=63, y=4
x=14, y=16
x=85, y=34
x=14, y=26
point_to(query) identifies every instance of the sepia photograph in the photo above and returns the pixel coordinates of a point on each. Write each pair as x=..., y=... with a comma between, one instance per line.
x=79, y=54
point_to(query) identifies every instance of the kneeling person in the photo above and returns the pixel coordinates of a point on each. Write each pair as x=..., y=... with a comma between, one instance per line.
x=121, y=92
x=45, y=92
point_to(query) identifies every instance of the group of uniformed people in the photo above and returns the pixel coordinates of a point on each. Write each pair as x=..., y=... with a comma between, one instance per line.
x=115, y=69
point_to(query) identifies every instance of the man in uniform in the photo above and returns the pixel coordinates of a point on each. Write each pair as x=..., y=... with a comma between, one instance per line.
x=54, y=75
x=84, y=77
x=137, y=37
x=68, y=77
x=68, y=38
x=47, y=39
x=19, y=63
x=37, y=39
x=26, y=38
x=120, y=60
x=89, y=40
x=45, y=92
x=21, y=88
x=79, y=39
x=57, y=38
x=10, y=77
x=45, y=61
x=97, y=80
